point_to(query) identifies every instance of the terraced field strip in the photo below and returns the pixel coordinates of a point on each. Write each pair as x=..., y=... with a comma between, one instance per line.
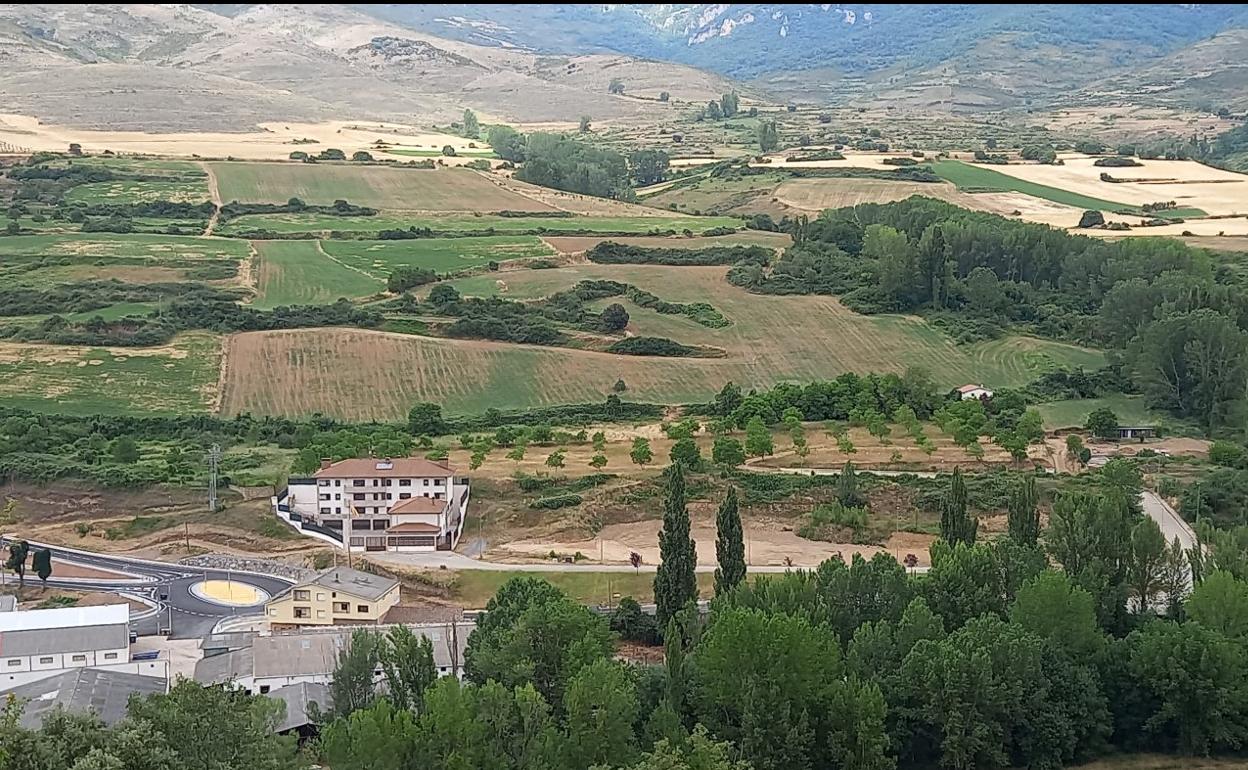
x=178, y=378
x=965, y=175
x=300, y=273
x=382, y=187
x=443, y=255
x=450, y=223
x=572, y=244
x=438, y=153
x=359, y=374
x=130, y=247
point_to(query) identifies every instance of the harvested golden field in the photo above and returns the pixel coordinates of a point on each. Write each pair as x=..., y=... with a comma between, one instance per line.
x=375, y=375
x=383, y=187
x=1186, y=182
x=274, y=141
x=575, y=244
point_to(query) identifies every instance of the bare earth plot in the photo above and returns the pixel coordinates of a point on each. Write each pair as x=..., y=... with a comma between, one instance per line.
x=383, y=187
x=178, y=378
x=375, y=375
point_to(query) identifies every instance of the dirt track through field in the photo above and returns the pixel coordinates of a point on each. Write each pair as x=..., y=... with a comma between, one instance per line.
x=215, y=192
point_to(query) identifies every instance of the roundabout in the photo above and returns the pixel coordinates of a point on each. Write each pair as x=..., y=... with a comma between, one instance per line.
x=229, y=593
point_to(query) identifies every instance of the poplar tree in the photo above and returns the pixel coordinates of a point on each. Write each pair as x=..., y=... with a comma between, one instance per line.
x=675, y=583
x=729, y=545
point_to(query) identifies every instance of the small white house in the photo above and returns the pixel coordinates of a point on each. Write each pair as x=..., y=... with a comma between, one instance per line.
x=977, y=392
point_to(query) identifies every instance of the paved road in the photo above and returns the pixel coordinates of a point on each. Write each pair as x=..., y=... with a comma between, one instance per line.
x=1171, y=523
x=164, y=586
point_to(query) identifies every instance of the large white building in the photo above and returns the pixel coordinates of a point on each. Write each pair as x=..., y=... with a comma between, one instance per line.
x=404, y=504
x=37, y=644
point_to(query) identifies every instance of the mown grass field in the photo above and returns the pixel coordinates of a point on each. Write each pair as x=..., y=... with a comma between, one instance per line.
x=966, y=175
x=178, y=378
x=300, y=273
x=133, y=191
x=1131, y=410
x=359, y=374
x=381, y=187
x=452, y=223
x=133, y=247
x=443, y=255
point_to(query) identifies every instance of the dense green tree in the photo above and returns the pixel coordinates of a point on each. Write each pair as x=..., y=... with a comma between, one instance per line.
x=614, y=317
x=1102, y=423
x=729, y=545
x=685, y=452
x=471, y=127
x=649, y=166
x=641, y=453
x=1220, y=603
x=380, y=736
x=407, y=662
x=601, y=707
x=965, y=581
x=352, y=686
x=564, y=163
x=42, y=563
x=727, y=452
x=675, y=581
x=700, y=752
x=425, y=419
x=125, y=450
x=1053, y=608
x=730, y=104
x=1146, y=565
x=768, y=136
x=957, y=525
x=713, y=110
x=1088, y=535
x=1024, y=515
x=507, y=143
x=847, y=493
x=758, y=442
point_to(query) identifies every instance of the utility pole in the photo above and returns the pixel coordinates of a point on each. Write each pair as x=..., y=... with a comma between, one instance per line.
x=214, y=460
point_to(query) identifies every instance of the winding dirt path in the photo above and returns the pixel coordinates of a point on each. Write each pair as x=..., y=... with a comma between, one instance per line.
x=215, y=192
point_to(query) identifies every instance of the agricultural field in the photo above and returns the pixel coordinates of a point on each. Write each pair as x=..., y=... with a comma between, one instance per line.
x=468, y=223
x=442, y=255
x=132, y=247
x=178, y=378
x=301, y=273
x=1131, y=410
x=771, y=339
x=968, y=176
x=1195, y=187
x=573, y=244
x=175, y=180
x=381, y=187
x=819, y=193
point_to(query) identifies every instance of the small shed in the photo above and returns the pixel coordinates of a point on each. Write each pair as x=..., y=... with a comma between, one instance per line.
x=1136, y=432
x=968, y=392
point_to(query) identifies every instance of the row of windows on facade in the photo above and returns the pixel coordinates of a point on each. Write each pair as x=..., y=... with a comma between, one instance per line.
x=340, y=608
x=420, y=540
x=378, y=496
x=73, y=659
x=384, y=482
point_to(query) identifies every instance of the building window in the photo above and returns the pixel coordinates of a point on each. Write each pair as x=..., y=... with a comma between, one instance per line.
x=340, y=607
x=337, y=510
x=426, y=482
x=320, y=597
x=323, y=482
x=264, y=689
x=437, y=495
x=273, y=611
x=320, y=613
x=337, y=482
x=358, y=496
x=325, y=496
x=79, y=659
x=405, y=495
x=405, y=482
x=325, y=509
x=303, y=612
x=110, y=656
x=356, y=541
x=303, y=595
x=385, y=483
x=361, y=608
x=439, y=482
x=15, y=661
x=357, y=483
x=337, y=496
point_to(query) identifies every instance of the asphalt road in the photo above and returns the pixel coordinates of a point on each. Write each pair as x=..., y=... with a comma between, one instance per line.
x=166, y=586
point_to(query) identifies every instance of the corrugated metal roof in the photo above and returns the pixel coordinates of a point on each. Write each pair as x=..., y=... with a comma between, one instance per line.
x=297, y=697
x=15, y=644
x=65, y=617
x=106, y=693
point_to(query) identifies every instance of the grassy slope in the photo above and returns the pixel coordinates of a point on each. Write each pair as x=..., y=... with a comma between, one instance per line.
x=444, y=255
x=304, y=223
x=299, y=273
x=178, y=378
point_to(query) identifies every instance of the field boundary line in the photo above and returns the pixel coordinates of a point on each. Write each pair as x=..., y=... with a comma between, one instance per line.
x=321, y=250
x=215, y=193
x=218, y=398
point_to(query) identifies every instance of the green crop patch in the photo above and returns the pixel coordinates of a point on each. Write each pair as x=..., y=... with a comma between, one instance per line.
x=442, y=255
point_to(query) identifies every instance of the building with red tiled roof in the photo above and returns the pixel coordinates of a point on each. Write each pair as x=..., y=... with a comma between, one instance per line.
x=370, y=504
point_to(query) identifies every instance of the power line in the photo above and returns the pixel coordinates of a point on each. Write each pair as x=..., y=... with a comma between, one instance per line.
x=214, y=460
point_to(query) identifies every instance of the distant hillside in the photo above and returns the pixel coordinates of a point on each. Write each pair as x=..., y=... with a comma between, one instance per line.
x=227, y=67
x=992, y=54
